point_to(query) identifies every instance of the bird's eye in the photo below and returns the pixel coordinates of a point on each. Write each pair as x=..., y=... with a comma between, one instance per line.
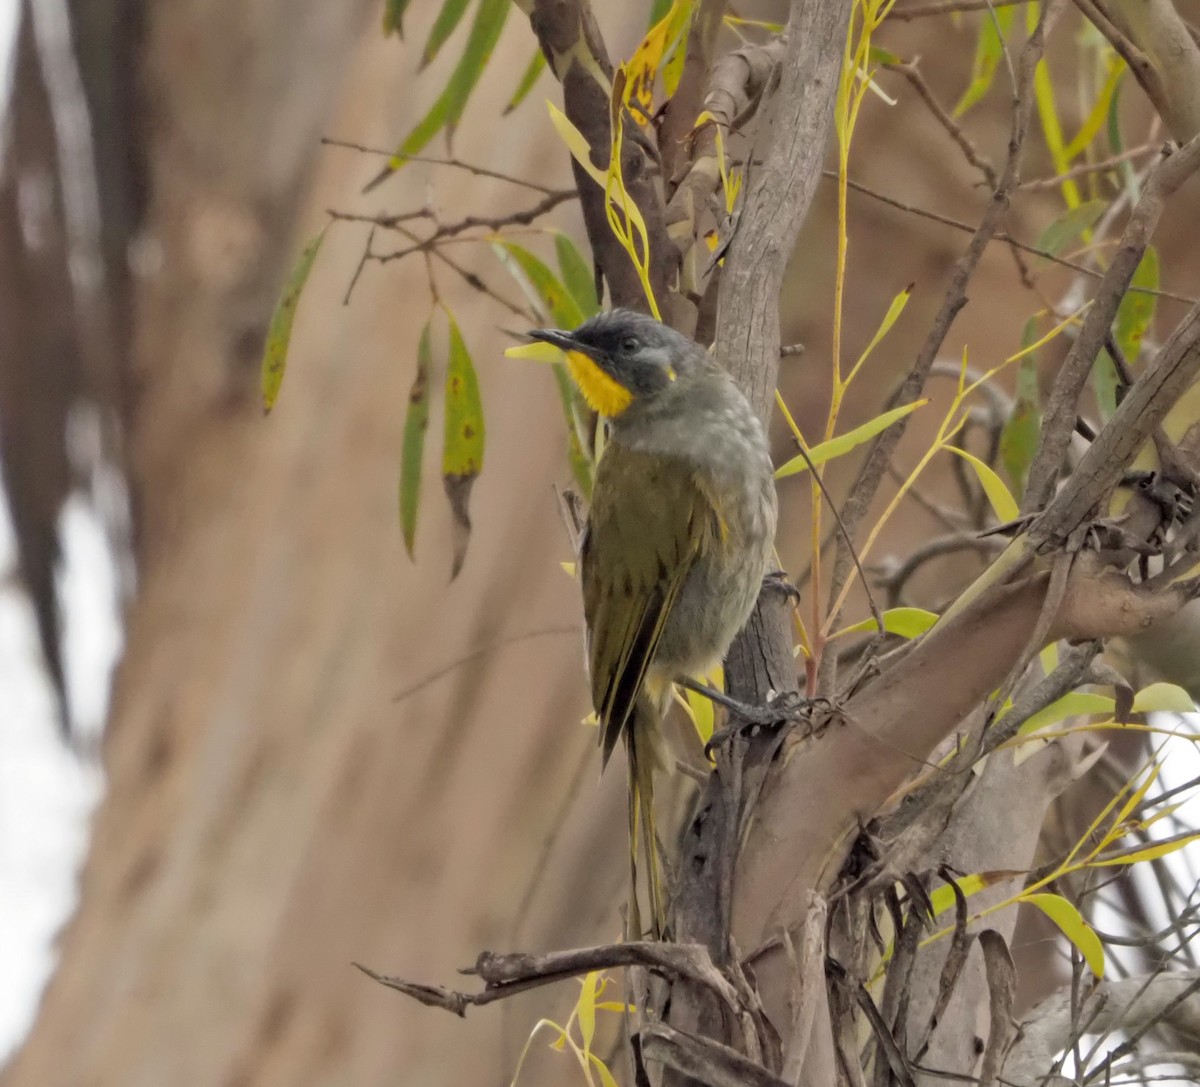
x=629, y=344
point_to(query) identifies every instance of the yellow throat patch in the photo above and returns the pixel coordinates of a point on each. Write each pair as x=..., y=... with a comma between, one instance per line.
x=602, y=393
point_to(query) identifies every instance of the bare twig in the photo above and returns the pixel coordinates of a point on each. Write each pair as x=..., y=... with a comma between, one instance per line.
x=1062, y=408
x=458, y=164
x=1086, y=169
x=998, y=235
x=904, y=12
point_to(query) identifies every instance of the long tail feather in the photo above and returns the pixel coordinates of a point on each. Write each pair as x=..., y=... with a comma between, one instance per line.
x=640, y=745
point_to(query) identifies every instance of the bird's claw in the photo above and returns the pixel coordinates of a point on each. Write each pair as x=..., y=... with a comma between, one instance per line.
x=782, y=710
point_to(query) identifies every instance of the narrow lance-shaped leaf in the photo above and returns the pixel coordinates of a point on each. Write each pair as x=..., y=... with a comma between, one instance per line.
x=1069, y=226
x=462, y=437
x=529, y=78
x=577, y=275
x=443, y=26
x=412, y=453
x=446, y=111
x=279, y=334
x=1072, y=925
x=550, y=294
x=393, y=17
x=1135, y=314
x=989, y=50
x=843, y=443
x=1019, y=435
x=999, y=497
x=905, y=622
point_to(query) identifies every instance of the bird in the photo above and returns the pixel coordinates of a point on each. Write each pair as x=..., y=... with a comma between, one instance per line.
x=678, y=538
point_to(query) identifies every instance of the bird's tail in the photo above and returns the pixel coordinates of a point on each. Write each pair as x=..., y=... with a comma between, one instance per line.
x=641, y=745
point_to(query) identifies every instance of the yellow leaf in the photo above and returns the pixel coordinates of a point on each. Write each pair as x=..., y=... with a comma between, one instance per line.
x=841, y=445
x=889, y=319
x=1072, y=925
x=585, y=1008
x=906, y=622
x=1164, y=697
x=576, y=144
x=1146, y=853
x=535, y=352
x=999, y=496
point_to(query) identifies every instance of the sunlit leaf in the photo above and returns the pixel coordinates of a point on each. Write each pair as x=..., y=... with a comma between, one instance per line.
x=1069, y=226
x=1072, y=925
x=393, y=17
x=578, y=275
x=528, y=80
x=463, y=434
x=535, y=352
x=585, y=1008
x=446, y=111
x=576, y=143
x=443, y=26
x=647, y=59
x=1043, y=93
x=998, y=495
x=1073, y=704
x=606, y=1077
x=1146, y=853
x=1163, y=697
x=412, y=452
x=844, y=443
x=279, y=333
x=989, y=51
x=942, y=897
x=890, y=318
x=905, y=622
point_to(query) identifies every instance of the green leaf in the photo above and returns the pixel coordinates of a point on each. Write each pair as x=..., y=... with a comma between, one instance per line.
x=446, y=111
x=448, y=18
x=839, y=446
x=1074, y=704
x=1135, y=314
x=577, y=275
x=393, y=17
x=1072, y=925
x=279, y=334
x=1105, y=382
x=535, y=67
x=1163, y=697
x=1002, y=502
x=463, y=433
x=1019, y=436
x=658, y=11
x=906, y=622
x=549, y=295
x=1069, y=226
x=989, y=51
x=412, y=451
x=1095, y=119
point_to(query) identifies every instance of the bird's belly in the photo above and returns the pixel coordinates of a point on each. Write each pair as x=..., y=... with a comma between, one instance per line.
x=713, y=604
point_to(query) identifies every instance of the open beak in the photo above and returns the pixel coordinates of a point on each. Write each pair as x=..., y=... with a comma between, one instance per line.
x=562, y=340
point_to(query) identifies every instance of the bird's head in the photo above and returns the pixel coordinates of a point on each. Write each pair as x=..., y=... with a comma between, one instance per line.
x=619, y=357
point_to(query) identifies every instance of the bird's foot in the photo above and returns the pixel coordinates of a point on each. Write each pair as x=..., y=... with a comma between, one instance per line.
x=781, y=711
x=777, y=580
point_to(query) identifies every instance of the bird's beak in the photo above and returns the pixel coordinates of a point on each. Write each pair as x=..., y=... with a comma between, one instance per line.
x=562, y=340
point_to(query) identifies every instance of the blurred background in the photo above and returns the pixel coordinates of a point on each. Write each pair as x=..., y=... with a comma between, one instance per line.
x=244, y=741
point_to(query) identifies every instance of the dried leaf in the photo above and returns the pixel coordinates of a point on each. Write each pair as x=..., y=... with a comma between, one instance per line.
x=279, y=334
x=1002, y=990
x=412, y=455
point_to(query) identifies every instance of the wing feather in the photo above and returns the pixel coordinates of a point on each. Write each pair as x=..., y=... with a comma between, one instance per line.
x=648, y=524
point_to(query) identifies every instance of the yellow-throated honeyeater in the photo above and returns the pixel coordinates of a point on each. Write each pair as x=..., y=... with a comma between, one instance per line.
x=679, y=534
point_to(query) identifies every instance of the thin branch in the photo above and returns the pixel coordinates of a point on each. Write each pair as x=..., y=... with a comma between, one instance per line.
x=458, y=164
x=1085, y=169
x=484, y=222
x=947, y=7
x=999, y=235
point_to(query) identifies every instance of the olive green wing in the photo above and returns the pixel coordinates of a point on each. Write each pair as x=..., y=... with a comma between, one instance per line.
x=648, y=524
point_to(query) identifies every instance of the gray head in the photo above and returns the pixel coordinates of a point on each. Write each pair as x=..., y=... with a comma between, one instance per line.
x=621, y=356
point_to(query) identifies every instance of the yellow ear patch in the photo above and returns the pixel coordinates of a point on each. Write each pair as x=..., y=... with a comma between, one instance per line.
x=602, y=393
